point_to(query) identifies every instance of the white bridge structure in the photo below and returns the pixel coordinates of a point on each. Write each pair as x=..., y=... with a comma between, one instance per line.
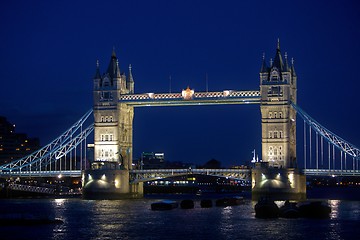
x=58, y=158
x=325, y=153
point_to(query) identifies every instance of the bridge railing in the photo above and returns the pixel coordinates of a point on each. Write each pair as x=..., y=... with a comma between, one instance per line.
x=333, y=172
x=34, y=189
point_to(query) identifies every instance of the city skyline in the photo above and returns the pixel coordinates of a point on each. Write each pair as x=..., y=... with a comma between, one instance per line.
x=48, y=55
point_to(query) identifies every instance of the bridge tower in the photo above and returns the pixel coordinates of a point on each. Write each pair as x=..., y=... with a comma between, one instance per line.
x=278, y=118
x=109, y=172
x=278, y=170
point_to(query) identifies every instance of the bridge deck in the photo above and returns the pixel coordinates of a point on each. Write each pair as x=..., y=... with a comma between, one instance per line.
x=198, y=98
x=162, y=173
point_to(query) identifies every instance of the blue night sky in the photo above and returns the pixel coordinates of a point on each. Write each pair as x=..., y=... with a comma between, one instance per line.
x=48, y=53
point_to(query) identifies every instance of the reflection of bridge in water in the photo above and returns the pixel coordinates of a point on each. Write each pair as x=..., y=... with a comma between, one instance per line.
x=324, y=153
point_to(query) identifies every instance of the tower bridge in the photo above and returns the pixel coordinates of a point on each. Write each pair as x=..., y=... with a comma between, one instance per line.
x=108, y=170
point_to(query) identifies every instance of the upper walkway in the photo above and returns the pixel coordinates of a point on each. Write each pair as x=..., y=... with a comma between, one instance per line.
x=189, y=97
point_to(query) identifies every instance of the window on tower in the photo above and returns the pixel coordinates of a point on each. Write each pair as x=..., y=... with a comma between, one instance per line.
x=275, y=91
x=275, y=134
x=274, y=75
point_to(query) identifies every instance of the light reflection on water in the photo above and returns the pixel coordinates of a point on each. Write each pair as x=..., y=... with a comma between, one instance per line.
x=133, y=219
x=334, y=204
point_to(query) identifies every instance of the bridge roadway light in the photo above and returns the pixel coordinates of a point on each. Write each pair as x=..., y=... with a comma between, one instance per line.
x=60, y=176
x=226, y=93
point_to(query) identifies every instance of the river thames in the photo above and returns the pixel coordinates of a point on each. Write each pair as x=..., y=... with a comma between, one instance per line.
x=133, y=219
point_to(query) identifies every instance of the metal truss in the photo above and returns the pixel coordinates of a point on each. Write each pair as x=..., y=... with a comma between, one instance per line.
x=42, y=157
x=153, y=174
x=335, y=140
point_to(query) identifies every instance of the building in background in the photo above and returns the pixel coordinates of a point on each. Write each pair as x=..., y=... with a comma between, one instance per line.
x=151, y=160
x=14, y=145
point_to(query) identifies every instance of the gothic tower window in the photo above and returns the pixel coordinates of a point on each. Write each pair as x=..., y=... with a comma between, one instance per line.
x=275, y=134
x=106, y=82
x=280, y=153
x=271, y=151
x=274, y=75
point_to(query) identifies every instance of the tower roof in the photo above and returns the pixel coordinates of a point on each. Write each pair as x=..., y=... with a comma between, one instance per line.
x=113, y=68
x=278, y=62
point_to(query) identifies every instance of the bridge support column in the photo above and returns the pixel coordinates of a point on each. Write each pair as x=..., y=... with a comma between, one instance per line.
x=137, y=189
x=107, y=184
x=278, y=183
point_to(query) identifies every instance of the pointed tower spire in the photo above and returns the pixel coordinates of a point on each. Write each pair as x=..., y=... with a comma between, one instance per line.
x=130, y=80
x=292, y=67
x=286, y=63
x=113, y=54
x=113, y=68
x=264, y=67
x=97, y=73
x=278, y=62
x=117, y=70
x=130, y=74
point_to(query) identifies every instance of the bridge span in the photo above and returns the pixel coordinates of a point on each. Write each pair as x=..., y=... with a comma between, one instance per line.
x=153, y=174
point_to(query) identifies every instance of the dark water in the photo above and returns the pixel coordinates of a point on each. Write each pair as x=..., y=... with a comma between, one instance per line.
x=133, y=219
